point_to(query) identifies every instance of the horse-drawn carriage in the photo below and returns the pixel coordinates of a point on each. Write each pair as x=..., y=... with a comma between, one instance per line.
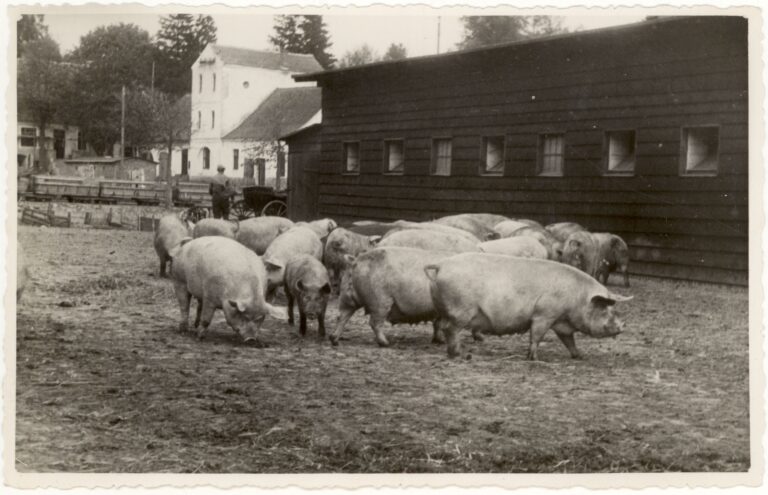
x=254, y=201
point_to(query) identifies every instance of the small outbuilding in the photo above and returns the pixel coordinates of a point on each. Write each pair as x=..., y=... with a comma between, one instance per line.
x=97, y=167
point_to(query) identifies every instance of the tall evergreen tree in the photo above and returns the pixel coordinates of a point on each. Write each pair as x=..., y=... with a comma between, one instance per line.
x=303, y=34
x=491, y=30
x=179, y=42
x=29, y=28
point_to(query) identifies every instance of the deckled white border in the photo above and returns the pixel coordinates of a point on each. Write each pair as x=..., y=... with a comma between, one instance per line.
x=757, y=196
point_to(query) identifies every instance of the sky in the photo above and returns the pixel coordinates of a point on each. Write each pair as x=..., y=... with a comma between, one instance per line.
x=418, y=32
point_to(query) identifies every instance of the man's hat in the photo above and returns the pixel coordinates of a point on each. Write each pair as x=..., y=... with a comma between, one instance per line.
x=220, y=167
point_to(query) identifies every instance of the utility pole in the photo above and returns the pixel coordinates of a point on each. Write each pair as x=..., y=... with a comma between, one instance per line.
x=438, y=35
x=122, y=129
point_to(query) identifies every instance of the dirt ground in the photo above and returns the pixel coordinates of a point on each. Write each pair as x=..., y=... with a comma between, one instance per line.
x=105, y=383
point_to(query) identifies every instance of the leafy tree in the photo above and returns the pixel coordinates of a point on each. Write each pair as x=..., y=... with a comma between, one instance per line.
x=491, y=30
x=303, y=34
x=180, y=40
x=109, y=57
x=42, y=81
x=363, y=54
x=395, y=52
x=29, y=28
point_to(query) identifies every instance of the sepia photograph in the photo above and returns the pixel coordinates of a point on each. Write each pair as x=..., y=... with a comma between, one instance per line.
x=383, y=241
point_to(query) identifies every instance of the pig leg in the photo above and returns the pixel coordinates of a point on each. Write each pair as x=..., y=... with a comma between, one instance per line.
x=565, y=334
x=199, y=310
x=302, y=322
x=477, y=335
x=376, y=322
x=183, y=297
x=437, y=332
x=451, y=332
x=289, y=296
x=539, y=328
x=345, y=313
x=206, y=317
x=321, y=324
x=162, y=266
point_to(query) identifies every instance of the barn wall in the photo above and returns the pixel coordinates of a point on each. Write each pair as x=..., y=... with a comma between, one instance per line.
x=303, y=164
x=653, y=78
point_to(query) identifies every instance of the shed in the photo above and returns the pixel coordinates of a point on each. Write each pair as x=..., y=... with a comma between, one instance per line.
x=135, y=169
x=640, y=130
x=303, y=167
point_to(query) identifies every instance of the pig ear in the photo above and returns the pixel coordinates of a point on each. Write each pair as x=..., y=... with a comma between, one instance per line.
x=374, y=239
x=332, y=225
x=326, y=289
x=349, y=259
x=300, y=286
x=238, y=305
x=272, y=266
x=574, y=243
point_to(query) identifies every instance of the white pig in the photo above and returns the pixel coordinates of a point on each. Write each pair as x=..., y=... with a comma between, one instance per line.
x=170, y=232
x=215, y=226
x=429, y=240
x=293, y=242
x=524, y=247
x=258, y=233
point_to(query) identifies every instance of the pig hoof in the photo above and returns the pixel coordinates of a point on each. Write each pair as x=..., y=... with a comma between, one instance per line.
x=578, y=356
x=383, y=344
x=478, y=337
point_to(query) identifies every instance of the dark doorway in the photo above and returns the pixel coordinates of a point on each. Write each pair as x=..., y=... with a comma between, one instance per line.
x=261, y=165
x=184, y=161
x=58, y=143
x=206, y=158
x=248, y=168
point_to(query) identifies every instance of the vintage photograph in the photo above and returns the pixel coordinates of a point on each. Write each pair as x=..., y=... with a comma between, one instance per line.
x=313, y=241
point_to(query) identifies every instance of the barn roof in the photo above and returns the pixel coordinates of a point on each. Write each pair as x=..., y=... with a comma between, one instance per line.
x=611, y=30
x=284, y=111
x=291, y=62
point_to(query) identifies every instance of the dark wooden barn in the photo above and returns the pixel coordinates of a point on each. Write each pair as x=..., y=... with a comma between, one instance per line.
x=640, y=130
x=303, y=167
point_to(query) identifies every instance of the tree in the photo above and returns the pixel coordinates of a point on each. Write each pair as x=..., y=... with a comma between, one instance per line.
x=303, y=34
x=395, y=52
x=109, y=58
x=491, y=30
x=363, y=54
x=42, y=81
x=179, y=42
x=316, y=40
x=29, y=28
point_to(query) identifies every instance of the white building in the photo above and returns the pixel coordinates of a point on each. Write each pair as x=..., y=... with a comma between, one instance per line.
x=61, y=141
x=228, y=85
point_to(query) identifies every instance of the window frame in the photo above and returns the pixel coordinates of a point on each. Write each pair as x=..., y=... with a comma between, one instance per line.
x=213, y=119
x=344, y=158
x=206, y=158
x=199, y=120
x=235, y=159
x=607, y=153
x=435, y=157
x=214, y=82
x=32, y=136
x=200, y=79
x=684, y=171
x=540, y=156
x=386, y=155
x=483, y=169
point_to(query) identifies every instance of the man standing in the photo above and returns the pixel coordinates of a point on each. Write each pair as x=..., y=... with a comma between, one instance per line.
x=220, y=190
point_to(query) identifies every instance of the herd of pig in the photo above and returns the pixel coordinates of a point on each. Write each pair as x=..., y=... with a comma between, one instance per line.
x=484, y=273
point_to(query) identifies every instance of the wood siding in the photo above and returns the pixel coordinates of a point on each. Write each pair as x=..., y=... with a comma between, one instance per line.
x=654, y=78
x=303, y=165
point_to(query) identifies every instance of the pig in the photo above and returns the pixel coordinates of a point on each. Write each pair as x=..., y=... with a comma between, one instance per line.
x=581, y=251
x=370, y=229
x=562, y=230
x=508, y=227
x=293, y=242
x=429, y=240
x=554, y=247
x=613, y=255
x=22, y=272
x=404, y=224
x=215, y=226
x=529, y=222
x=258, y=233
x=170, y=232
x=470, y=224
x=340, y=242
x=389, y=282
x=502, y=295
x=321, y=227
x=222, y=274
x=524, y=247
x=306, y=281
x=490, y=220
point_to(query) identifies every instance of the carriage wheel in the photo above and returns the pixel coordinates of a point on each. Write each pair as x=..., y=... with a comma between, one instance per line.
x=194, y=214
x=275, y=208
x=240, y=210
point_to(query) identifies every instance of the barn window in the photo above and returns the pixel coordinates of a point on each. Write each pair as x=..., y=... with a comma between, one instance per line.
x=352, y=158
x=27, y=137
x=551, y=155
x=206, y=158
x=493, y=155
x=621, y=152
x=394, y=157
x=700, y=147
x=441, y=156
x=235, y=159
